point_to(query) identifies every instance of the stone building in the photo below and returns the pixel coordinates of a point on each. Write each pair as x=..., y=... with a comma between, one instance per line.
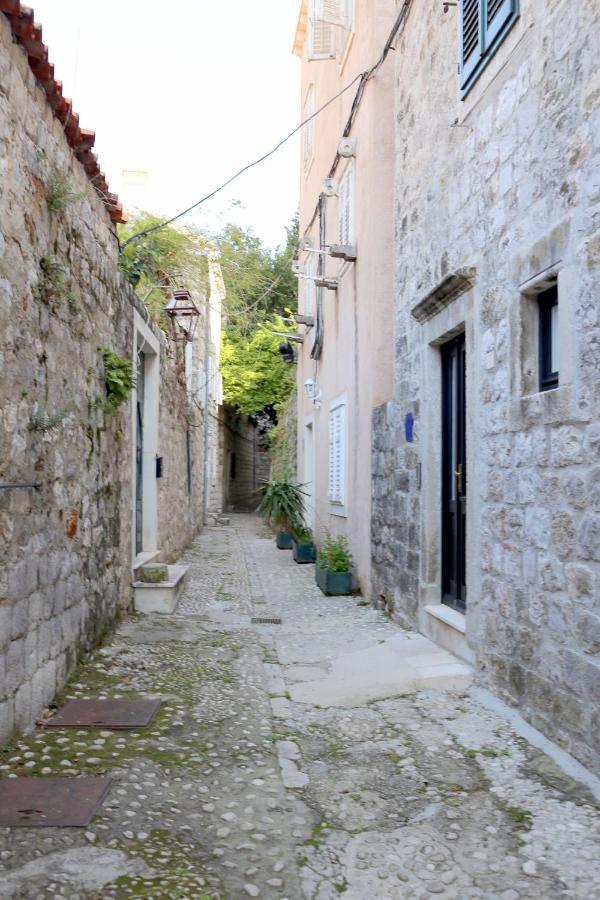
x=90, y=487
x=486, y=464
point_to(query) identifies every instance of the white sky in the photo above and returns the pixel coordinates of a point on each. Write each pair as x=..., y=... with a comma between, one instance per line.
x=190, y=91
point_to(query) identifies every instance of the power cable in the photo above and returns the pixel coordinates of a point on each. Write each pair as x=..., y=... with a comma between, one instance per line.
x=245, y=168
x=365, y=77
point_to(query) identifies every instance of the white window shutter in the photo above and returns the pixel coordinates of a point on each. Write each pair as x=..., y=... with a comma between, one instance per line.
x=331, y=455
x=337, y=455
x=331, y=11
x=309, y=128
x=321, y=36
x=346, y=207
x=309, y=285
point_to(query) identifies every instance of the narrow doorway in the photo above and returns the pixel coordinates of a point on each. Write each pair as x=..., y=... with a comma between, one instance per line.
x=139, y=454
x=454, y=474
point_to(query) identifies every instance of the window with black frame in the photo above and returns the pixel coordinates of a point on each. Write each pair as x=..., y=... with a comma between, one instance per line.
x=549, y=347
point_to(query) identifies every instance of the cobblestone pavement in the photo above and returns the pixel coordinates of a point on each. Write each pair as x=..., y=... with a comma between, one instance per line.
x=236, y=791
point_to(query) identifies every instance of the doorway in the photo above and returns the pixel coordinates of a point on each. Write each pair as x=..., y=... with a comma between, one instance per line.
x=139, y=454
x=454, y=474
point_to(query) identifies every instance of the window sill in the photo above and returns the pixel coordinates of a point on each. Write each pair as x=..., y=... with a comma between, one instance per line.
x=550, y=407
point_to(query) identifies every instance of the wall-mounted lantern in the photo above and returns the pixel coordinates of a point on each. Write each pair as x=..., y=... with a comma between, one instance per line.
x=183, y=316
x=287, y=352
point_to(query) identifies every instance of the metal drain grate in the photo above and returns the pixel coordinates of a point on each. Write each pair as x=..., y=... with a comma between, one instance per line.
x=264, y=621
x=51, y=802
x=92, y=713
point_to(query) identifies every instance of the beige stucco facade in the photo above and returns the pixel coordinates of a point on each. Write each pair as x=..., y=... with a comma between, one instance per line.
x=353, y=323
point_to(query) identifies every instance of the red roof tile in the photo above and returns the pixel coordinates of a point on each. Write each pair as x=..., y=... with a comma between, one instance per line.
x=29, y=34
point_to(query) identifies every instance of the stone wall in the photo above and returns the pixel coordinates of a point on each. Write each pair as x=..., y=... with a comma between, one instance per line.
x=394, y=521
x=247, y=461
x=66, y=547
x=504, y=183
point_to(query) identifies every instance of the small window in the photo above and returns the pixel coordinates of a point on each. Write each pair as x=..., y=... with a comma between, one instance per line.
x=483, y=26
x=308, y=136
x=337, y=452
x=346, y=207
x=549, y=333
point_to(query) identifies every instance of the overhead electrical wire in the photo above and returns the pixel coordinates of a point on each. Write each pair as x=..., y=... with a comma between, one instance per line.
x=238, y=174
x=365, y=77
x=362, y=77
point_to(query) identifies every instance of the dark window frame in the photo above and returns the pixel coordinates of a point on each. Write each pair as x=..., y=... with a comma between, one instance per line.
x=489, y=37
x=547, y=300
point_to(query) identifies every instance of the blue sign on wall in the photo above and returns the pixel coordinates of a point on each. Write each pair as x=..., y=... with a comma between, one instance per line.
x=409, y=426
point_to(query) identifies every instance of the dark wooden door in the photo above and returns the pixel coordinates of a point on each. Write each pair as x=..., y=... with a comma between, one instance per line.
x=454, y=474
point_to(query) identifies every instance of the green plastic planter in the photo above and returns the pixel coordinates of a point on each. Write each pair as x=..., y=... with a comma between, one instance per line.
x=285, y=540
x=304, y=553
x=334, y=584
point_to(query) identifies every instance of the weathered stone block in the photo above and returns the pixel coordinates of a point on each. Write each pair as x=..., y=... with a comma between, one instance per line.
x=23, y=710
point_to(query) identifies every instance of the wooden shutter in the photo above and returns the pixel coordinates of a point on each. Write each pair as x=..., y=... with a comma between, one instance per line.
x=321, y=35
x=331, y=11
x=309, y=285
x=309, y=128
x=471, y=37
x=346, y=206
x=497, y=14
x=337, y=454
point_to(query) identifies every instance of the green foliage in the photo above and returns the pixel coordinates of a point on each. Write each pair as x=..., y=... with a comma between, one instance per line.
x=260, y=289
x=303, y=534
x=335, y=554
x=259, y=284
x=44, y=424
x=284, y=438
x=119, y=379
x=52, y=283
x=60, y=193
x=254, y=373
x=169, y=257
x=282, y=504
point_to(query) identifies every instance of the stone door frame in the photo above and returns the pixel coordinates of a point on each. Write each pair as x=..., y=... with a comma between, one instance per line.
x=144, y=341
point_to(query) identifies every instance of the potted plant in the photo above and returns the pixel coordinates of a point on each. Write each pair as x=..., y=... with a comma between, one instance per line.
x=303, y=545
x=334, y=563
x=282, y=505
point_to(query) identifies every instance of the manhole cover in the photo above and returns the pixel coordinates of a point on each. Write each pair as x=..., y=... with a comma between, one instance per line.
x=266, y=621
x=51, y=802
x=105, y=714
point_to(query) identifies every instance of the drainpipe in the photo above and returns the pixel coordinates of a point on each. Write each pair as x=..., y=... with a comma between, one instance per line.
x=206, y=400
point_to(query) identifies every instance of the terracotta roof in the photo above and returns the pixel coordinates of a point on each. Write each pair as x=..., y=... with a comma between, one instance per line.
x=28, y=33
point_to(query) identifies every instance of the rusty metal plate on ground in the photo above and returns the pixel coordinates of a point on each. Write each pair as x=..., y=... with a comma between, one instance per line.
x=105, y=714
x=51, y=802
x=264, y=621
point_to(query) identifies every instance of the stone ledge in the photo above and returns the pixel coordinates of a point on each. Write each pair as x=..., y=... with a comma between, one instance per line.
x=161, y=597
x=449, y=289
x=449, y=616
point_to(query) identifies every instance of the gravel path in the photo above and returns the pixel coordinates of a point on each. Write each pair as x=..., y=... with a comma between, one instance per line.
x=236, y=791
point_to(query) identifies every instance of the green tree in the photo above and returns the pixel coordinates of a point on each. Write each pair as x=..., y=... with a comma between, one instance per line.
x=259, y=283
x=170, y=257
x=255, y=377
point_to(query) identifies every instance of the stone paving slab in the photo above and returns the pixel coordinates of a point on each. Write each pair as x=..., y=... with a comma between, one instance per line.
x=236, y=790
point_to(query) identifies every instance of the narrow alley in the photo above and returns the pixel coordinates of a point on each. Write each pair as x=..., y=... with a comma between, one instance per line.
x=237, y=789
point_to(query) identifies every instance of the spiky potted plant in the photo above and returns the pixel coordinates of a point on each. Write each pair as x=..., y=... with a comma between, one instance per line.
x=282, y=506
x=303, y=545
x=334, y=564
